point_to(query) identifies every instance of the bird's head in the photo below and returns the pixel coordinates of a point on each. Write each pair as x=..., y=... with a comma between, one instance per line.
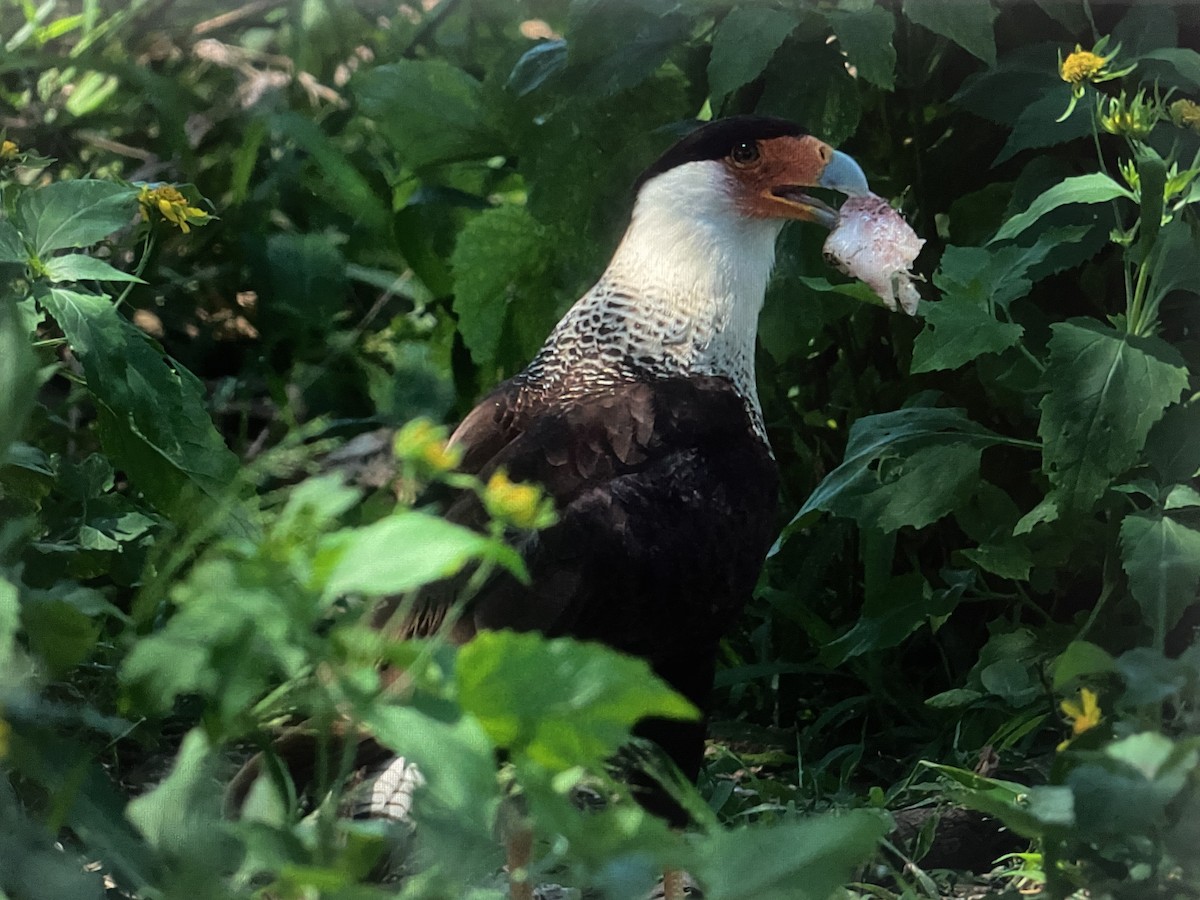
x=756, y=167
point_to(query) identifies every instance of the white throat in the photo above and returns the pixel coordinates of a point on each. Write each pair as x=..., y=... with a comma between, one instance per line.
x=684, y=289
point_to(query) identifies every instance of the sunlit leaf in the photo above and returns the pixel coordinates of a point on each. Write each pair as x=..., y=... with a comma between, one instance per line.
x=73, y=213
x=522, y=687
x=18, y=374
x=153, y=419
x=81, y=267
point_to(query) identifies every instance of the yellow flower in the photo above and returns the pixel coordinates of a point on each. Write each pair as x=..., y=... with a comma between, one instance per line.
x=1080, y=66
x=1083, y=713
x=9, y=151
x=423, y=444
x=1083, y=66
x=168, y=202
x=521, y=505
x=1186, y=114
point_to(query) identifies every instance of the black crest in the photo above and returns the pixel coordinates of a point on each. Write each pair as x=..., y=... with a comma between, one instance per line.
x=715, y=140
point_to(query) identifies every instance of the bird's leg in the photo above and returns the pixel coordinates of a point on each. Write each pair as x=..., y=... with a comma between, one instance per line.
x=518, y=850
x=673, y=885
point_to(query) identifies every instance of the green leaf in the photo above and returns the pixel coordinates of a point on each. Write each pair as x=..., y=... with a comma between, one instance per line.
x=1095, y=187
x=1008, y=559
x=336, y=177
x=956, y=333
x=744, y=43
x=396, y=554
x=808, y=82
x=908, y=467
x=1162, y=558
x=1173, y=266
x=523, y=687
x=1079, y=660
x=1182, y=63
x=1030, y=812
x=1037, y=126
x=619, y=44
x=499, y=259
x=18, y=374
x=181, y=814
x=153, y=419
x=81, y=267
x=10, y=620
x=428, y=110
x=1152, y=181
x=1106, y=389
x=456, y=809
x=537, y=65
x=307, y=278
x=865, y=35
x=806, y=860
x=73, y=213
x=967, y=24
x=227, y=611
x=12, y=248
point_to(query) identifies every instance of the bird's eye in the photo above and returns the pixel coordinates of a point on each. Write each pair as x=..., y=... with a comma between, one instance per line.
x=744, y=153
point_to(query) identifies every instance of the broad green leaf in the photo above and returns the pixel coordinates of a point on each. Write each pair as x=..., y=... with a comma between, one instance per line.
x=956, y=333
x=1174, y=65
x=744, y=43
x=1173, y=266
x=1079, y=660
x=908, y=467
x=1173, y=447
x=1095, y=187
x=893, y=611
x=1162, y=558
x=808, y=82
x=153, y=420
x=806, y=860
x=428, y=110
x=81, y=267
x=500, y=256
x=73, y=213
x=523, y=688
x=1106, y=389
x=967, y=24
x=395, y=554
x=1038, y=126
x=181, y=815
x=1008, y=559
x=616, y=46
x=18, y=374
x=12, y=248
x=865, y=34
x=227, y=611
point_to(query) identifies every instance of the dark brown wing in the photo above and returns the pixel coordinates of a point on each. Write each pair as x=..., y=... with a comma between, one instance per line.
x=665, y=498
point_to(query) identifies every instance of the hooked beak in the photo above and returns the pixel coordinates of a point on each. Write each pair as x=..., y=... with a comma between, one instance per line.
x=818, y=165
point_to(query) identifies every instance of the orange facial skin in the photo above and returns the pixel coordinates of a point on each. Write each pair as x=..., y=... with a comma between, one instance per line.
x=768, y=184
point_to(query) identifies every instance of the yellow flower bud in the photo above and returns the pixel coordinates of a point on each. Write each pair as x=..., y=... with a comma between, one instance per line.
x=9, y=151
x=422, y=444
x=1186, y=114
x=521, y=505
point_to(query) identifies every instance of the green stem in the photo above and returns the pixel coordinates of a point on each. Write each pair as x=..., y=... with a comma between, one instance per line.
x=138, y=269
x=1136, y=325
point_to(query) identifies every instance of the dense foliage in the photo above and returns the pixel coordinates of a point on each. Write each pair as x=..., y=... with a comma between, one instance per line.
x=231, y=239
